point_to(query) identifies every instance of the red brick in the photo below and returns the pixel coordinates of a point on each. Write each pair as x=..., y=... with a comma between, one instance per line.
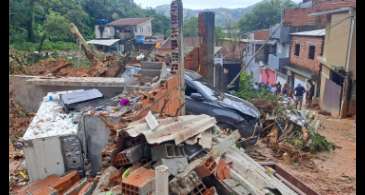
x=300, y=16
x=302, y=60
x=138, y=179
x=261, y=34
x=66, y=182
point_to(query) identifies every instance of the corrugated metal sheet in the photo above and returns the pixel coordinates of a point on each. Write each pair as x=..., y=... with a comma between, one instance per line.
x=319, y=32
x=104, y=42
x=177, y=129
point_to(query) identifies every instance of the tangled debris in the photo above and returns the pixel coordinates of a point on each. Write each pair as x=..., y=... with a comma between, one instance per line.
x=292, y=134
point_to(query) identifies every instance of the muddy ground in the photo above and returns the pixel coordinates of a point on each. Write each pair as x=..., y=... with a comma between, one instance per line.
x=328, y=173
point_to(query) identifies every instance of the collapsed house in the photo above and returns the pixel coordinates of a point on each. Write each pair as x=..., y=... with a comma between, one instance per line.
x=126, y=135
x=82, y=142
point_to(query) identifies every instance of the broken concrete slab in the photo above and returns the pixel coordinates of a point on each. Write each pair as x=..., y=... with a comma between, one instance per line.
x=252, y=175
x=191, y=183
x=175, y=165
x=29, y=94
x=104, y=180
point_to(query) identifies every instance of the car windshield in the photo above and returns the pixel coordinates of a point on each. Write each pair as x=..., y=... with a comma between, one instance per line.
x=209, y=91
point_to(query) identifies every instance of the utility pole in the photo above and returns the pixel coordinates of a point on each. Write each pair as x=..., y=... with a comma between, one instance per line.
x=177, y=55
x=207, y=43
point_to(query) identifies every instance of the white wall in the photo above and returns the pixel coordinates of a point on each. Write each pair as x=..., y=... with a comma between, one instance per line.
x=282, y=80
x=282, y=50
x=144, y=29
x=108, y=32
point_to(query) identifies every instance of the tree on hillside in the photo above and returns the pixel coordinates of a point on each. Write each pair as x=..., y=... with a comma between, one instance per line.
x=39, y=21
x=191, y=27
x=160, y=23
x=219, y=33
x=264, y=15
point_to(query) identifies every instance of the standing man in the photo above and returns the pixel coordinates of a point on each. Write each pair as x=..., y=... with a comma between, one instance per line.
x=273, y=89
x=298, y=93
x=278, y=88
x=285, y=90
x=309, y=93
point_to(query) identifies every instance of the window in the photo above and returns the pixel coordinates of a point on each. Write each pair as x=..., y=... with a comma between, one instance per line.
x=297, y=49
x=312, y=50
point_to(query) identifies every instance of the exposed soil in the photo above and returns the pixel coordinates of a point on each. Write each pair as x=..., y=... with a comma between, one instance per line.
x=19, y=121
x=330, y=173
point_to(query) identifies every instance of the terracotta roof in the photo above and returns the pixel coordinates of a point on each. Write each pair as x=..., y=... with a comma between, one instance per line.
x=128, y=21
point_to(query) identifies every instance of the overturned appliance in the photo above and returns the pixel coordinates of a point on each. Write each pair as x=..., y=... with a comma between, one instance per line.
x=52, y=142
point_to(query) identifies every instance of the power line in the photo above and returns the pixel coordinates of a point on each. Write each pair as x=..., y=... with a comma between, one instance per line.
x=252, y=57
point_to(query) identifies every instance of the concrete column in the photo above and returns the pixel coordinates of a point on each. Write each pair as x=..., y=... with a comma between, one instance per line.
x=207, y=38
x=162, y=180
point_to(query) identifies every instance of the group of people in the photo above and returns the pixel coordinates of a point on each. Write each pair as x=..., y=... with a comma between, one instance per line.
x=297, y=93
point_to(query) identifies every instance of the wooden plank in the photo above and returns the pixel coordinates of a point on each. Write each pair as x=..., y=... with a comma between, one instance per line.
x=253, y=173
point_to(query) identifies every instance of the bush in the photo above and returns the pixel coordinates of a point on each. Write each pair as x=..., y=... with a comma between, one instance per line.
x=247, y=91
x=59, y=46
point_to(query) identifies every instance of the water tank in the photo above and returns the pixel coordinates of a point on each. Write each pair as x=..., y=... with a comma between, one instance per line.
x=102, y=21
x=139, y=39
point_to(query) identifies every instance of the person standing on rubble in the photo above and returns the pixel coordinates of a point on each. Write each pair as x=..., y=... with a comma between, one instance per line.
x=298, y=93
x=285, y=90
x=256, y=86
x=278, y=88
x=273, y=89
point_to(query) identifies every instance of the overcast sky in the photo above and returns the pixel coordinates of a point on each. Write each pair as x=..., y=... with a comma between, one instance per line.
x=202, y=4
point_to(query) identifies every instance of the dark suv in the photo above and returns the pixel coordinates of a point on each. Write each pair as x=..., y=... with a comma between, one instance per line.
x=229, y=111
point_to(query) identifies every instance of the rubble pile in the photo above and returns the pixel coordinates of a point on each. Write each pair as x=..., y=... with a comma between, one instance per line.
x=291, y=133
x=125, y=149
x=17, y=62
x=63, y=67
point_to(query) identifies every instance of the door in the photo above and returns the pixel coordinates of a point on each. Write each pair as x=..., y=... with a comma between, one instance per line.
x=332, y=97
